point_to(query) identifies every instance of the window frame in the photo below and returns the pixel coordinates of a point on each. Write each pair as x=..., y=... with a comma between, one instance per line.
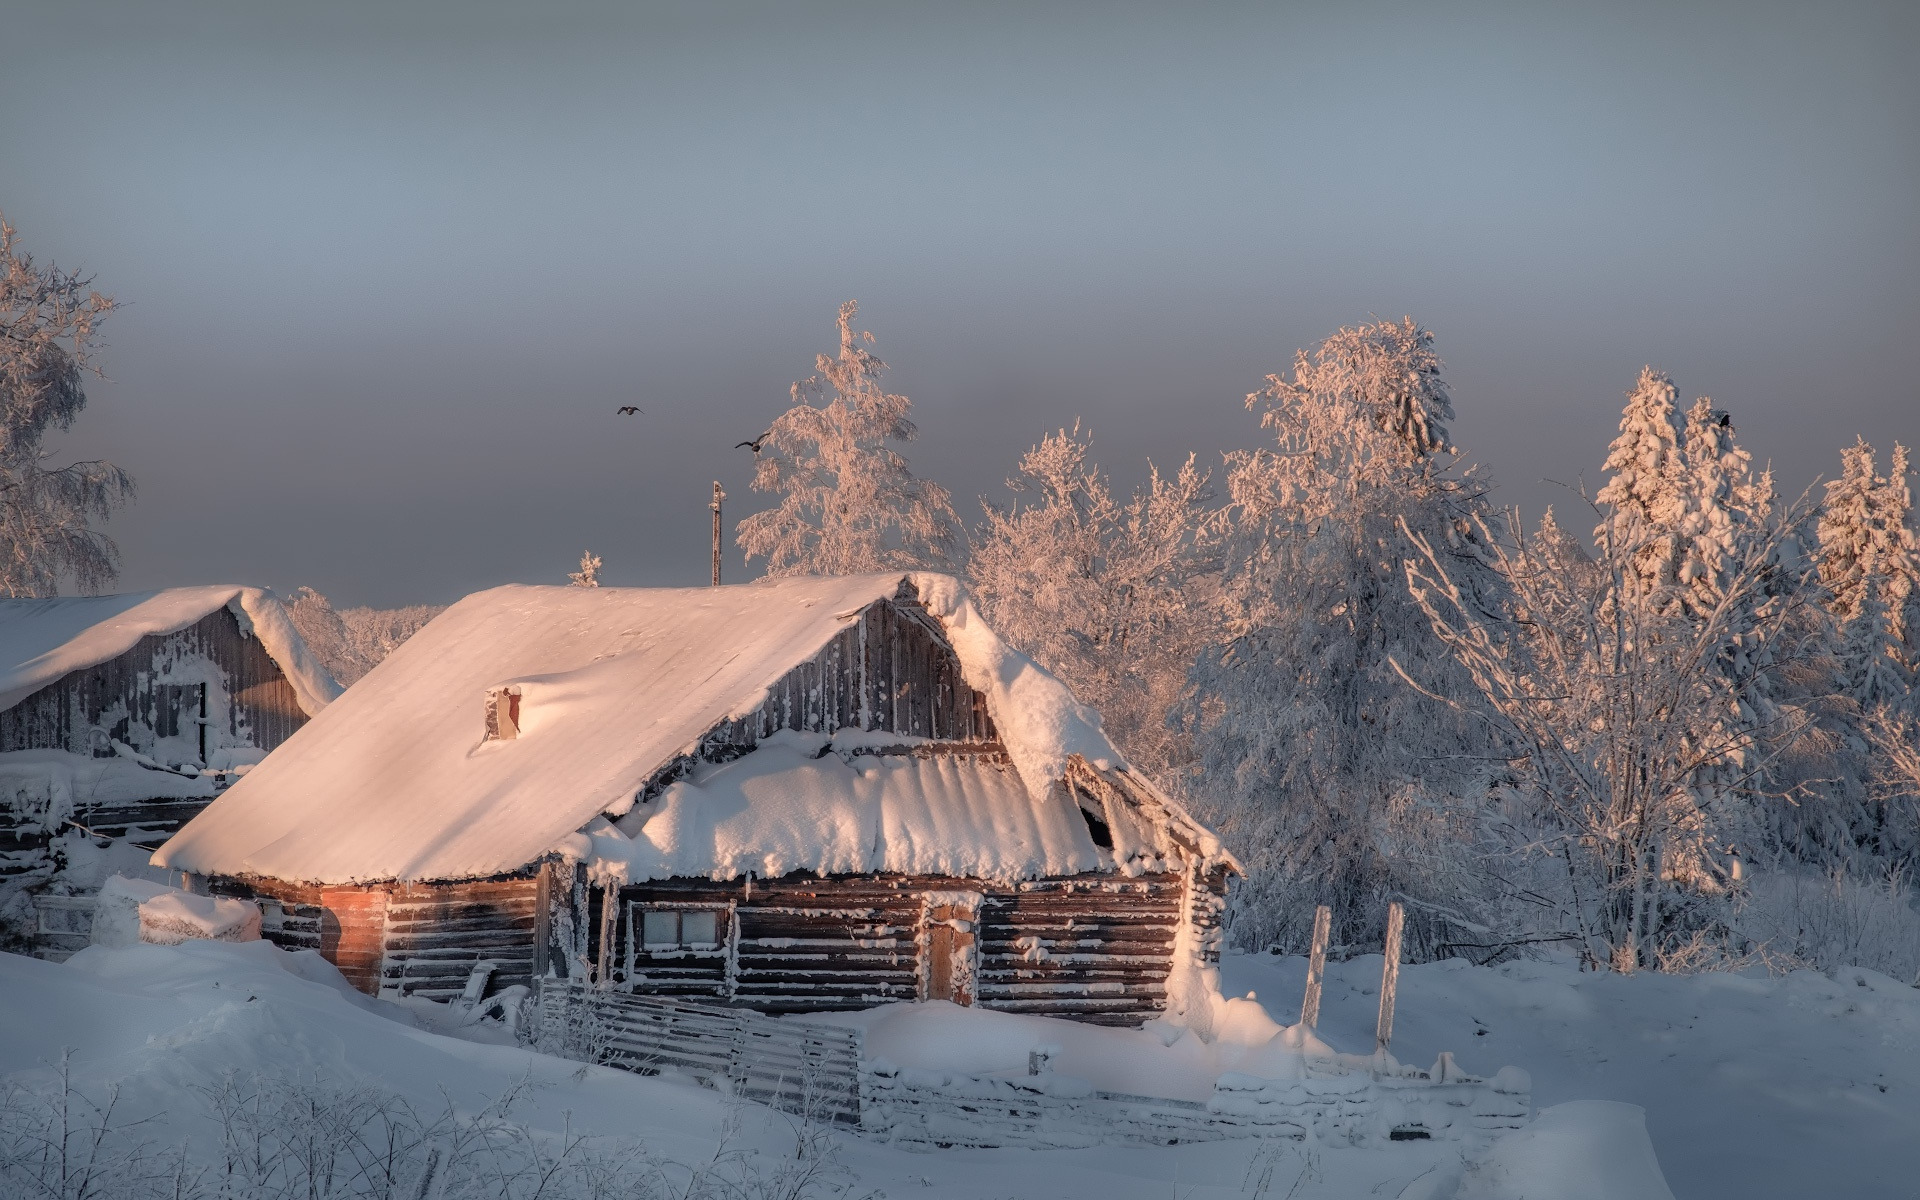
x=719, y=952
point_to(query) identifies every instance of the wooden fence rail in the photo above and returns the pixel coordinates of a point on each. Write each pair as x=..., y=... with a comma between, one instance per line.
x=795, y=1066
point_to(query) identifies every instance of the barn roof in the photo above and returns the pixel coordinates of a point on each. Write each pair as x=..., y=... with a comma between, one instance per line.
x=396, y=782
x=43, y=640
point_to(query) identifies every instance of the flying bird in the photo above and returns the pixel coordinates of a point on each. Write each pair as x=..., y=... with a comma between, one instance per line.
x=755, y=444
x=627, y=410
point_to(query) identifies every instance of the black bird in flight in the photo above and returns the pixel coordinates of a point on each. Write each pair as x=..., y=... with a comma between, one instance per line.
x=755, y=444
x=627, y=410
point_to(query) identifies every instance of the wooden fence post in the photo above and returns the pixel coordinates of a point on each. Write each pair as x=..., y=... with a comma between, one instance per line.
x=1389, y=979
x=1316, y=966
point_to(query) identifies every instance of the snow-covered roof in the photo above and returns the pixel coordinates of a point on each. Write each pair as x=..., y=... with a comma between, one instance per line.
x=43, y=640
x=789, y=807
x=396, y=782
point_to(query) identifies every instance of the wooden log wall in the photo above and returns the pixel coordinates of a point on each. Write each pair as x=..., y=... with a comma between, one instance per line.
x=436, y=933
x=416, y=939
x=1098, y=949
x=1094, y=948
x=263, y=709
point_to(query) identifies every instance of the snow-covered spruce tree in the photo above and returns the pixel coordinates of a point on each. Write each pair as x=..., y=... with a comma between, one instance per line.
x=49, y=322
x=1869, y=564
x=848, y=503
x=1869, y=560
x=589, y=573
x=1337, y=782
x=1114, y=595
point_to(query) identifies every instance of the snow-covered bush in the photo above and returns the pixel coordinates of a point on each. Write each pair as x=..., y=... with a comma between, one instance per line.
x=1825, y=921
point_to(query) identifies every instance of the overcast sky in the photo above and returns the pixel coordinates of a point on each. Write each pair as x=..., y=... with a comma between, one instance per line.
x=388, y=273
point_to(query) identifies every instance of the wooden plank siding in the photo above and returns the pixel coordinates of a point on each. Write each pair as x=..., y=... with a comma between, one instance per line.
x=890, y=669
x=263, y=707
x=131, y=701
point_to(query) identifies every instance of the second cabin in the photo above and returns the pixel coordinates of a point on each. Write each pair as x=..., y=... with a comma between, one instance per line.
x=795, y=795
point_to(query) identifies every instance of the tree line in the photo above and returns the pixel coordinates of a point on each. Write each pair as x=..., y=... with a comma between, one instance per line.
x=1690, y=737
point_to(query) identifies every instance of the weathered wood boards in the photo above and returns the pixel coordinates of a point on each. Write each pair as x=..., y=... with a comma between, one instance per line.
x=262, y=707
x=809, y=1069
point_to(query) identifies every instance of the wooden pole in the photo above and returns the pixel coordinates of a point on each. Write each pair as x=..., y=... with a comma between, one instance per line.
x=1389, y=979
x=1316, y=966
x=718, y=496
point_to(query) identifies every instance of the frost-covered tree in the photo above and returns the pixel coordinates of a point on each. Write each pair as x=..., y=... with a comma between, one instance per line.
x=1636, y=753
x=848, y=502
x=350, y=642
x=589, y=573
x=1869, y=560
x=1113, y=594
x=1336, y=781
x=49, y=325
x=1646, y=480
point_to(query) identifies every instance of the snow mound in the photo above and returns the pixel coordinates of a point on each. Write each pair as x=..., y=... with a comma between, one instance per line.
x=1580, y=1150
x=131, y=911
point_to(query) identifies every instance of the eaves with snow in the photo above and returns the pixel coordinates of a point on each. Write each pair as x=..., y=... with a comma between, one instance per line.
x=409, y=776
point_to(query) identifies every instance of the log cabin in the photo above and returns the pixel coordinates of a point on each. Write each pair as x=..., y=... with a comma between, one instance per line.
x=123, y=716
x=790, y=796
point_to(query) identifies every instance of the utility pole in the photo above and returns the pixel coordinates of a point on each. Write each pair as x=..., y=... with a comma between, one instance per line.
x=718, y=496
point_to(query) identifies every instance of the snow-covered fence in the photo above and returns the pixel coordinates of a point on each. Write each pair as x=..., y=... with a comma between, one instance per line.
x=791, y=1065
x=817, y=1069
x=63, y=925
x=1335, y=1104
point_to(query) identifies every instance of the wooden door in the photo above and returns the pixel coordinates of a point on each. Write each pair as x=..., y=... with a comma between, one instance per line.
x=949, y=928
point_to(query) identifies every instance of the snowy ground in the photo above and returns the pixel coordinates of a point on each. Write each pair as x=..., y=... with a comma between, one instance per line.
x=1754, y=1088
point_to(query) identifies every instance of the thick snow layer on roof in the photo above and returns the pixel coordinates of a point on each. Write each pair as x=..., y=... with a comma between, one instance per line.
x=42, y=640
x=46, y=785
x=396, y=782
x=789, y=807
x=1040, y=722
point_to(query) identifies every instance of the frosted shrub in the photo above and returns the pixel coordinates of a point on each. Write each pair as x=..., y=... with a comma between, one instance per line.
x=1834, y=921
x=265, y=1137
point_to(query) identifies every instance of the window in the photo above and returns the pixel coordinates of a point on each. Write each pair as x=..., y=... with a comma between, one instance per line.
x=677, y=947
x=664, y=929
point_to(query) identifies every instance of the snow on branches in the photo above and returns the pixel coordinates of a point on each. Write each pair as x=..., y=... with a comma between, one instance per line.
x=1114, y=595
x=48, y=324
x=848, y=503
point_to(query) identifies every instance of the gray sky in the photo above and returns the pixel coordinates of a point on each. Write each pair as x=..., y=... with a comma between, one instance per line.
x=387, y=274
